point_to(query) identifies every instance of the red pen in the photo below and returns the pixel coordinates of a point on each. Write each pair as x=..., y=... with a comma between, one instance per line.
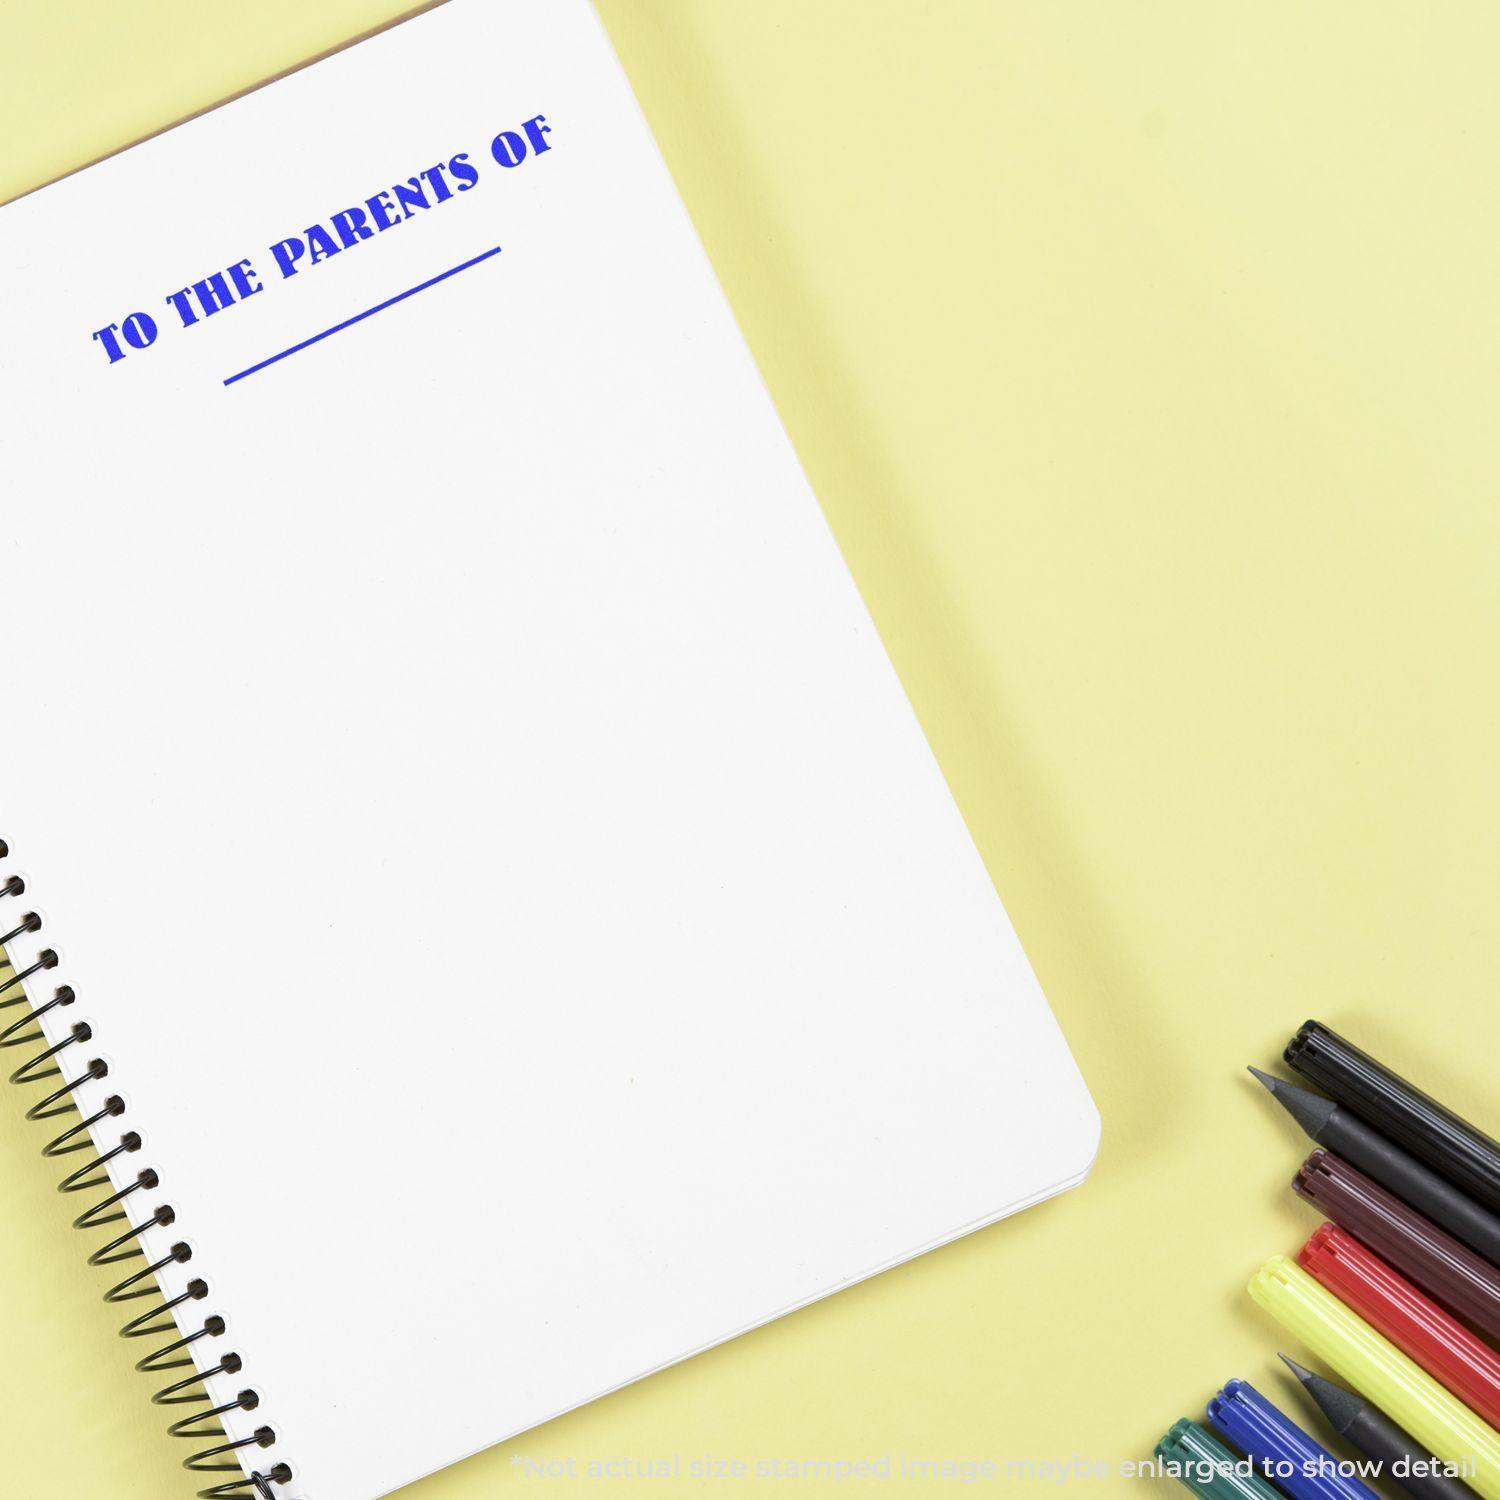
x=1412, y=1322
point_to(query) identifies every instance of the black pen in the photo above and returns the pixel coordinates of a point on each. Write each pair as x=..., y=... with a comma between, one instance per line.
x=1451, y=1146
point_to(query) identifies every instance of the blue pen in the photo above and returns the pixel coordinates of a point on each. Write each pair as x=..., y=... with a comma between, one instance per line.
x=1282, y=1451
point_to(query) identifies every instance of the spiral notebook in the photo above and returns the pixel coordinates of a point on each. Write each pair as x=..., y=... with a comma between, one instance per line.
x=481, y=882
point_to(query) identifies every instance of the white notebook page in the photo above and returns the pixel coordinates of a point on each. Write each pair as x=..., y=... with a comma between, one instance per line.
x=503, y=872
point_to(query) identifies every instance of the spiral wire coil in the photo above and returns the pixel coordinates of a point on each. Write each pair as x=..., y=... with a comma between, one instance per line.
x=50, y=1069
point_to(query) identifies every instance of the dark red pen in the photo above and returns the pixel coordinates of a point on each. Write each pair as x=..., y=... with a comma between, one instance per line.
x=1452, y=1274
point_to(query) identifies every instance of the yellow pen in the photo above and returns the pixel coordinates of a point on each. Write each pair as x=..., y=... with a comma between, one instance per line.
x=1404, y=1391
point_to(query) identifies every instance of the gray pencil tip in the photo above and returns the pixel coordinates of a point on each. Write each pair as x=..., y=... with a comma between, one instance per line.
x=1311, y=1111
x=1341, y=1407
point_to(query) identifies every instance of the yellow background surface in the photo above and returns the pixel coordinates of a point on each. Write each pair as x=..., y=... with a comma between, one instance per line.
x=1145, y=359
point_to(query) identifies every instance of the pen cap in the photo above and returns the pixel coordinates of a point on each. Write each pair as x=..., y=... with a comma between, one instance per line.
x=1207, y=1467
x=1429, y=1130
x=1465, y=1283
x=1414, y=1323
x=1405, y=1392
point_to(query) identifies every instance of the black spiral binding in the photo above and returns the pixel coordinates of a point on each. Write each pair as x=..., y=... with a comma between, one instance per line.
x=223, y=1455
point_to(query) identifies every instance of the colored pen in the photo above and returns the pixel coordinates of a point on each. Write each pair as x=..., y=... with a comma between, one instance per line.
x=1404, y=1391
x=1282, y=1451
x=1202, y=1463
x=1415, y=1324
x=1450, y=1273
x=1396, y=1170
x=1365, y=1427
x=1464, y=1154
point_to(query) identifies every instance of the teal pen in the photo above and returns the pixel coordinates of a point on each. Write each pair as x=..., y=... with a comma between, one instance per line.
x=1197, y=1459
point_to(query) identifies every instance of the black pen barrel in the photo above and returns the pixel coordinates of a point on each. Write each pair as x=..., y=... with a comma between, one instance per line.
x=1364, y=1426
x=1377, y=1437
x=1413, y=1182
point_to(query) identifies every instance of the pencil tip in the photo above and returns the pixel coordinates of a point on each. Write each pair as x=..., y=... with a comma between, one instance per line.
x=1341, y=1407
x=1311, y=1111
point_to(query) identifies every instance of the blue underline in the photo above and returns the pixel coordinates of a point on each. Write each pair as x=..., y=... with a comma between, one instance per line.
x=369, y=312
